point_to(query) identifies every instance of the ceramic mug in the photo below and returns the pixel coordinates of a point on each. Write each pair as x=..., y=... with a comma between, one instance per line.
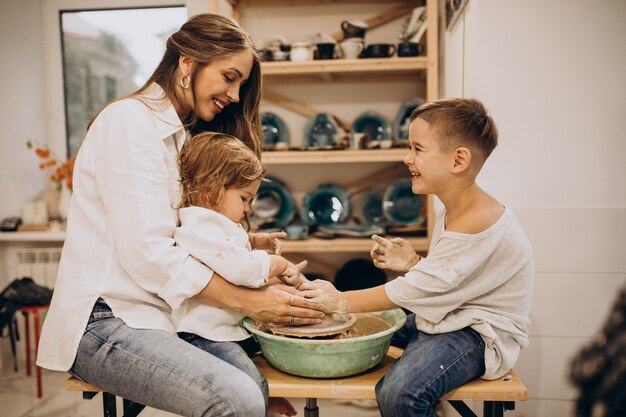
x=380, y=50
x=301, y=51
x=353, y=29
x=325, y=51
x=297, y=231
x=410, y=49
x=351, y=48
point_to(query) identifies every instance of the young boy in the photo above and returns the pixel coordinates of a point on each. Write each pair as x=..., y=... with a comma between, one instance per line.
x=470, y=297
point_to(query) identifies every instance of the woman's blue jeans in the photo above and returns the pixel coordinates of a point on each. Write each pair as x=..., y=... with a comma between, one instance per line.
x=160, y=370
x=431, y=365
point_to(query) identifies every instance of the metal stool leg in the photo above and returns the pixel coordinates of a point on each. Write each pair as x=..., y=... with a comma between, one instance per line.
x=27, y=340
x=310, y=409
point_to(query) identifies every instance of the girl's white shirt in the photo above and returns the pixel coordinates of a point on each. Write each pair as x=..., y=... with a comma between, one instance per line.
x=224, y=246
x=120, y=233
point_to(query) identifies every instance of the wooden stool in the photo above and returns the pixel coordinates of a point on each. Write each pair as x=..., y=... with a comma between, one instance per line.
x=26, y=312
x=497, y=396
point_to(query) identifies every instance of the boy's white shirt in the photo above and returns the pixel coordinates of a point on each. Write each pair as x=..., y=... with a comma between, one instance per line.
x=223, y=246
x=481, y=280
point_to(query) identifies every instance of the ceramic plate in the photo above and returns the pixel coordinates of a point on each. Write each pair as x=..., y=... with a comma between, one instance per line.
x=320, y=131
x=274, y=130
x=329, y=204
x=273, y=205
x=400, y=206
x=403, y=118
x=374, y=125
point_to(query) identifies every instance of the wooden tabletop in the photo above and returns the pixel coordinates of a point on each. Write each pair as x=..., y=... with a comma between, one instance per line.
x=281, y=384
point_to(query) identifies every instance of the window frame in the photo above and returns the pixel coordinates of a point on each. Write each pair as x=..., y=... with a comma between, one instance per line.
x=54, y=95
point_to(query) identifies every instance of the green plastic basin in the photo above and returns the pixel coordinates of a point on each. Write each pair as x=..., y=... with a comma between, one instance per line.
x=328, y=358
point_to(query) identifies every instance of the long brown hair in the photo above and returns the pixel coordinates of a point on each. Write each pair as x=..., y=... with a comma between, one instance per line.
x=206, y=38
x=210, y=163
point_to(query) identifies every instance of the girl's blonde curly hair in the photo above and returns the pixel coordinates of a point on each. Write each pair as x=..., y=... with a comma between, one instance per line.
x=210, y=163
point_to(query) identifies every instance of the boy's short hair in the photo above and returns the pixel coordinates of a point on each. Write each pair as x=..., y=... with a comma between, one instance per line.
x=461, y=122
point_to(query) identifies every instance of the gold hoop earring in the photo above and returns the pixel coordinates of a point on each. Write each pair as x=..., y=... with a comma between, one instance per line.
x=184, y=81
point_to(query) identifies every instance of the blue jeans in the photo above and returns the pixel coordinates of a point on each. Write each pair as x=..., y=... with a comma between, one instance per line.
x=236, y=353
x=431, y=365
x=160, y=370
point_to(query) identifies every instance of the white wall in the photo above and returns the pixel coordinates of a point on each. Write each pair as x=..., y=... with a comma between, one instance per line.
x=552, y=74
x=21, y=102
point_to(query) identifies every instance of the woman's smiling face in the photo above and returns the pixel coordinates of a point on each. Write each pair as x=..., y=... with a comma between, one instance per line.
x=218, y=84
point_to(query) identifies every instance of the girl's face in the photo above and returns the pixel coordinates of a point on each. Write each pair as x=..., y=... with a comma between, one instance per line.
x=237, y=201
x=217, y=84
x=426, y=162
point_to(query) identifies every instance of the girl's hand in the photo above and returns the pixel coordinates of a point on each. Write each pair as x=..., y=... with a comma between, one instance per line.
x=267, y=241
x=395, y=254
x=325, y=293
x=292, y=274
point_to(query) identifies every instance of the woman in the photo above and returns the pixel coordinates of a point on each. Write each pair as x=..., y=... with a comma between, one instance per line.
x=121, y=274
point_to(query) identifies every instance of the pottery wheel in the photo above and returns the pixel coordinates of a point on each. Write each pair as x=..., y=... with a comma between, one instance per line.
x=331, y=324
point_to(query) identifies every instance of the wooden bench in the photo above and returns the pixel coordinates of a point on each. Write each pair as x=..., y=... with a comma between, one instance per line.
x=497, y=396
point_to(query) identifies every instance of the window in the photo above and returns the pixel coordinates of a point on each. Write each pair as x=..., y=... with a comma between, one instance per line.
x=107, y=54
x=92, y=82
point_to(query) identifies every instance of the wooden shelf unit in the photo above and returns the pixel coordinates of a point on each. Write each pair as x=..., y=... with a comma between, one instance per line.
x=422, y=69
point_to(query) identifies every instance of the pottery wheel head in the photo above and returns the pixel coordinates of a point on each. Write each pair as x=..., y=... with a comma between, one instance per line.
x=331, y=324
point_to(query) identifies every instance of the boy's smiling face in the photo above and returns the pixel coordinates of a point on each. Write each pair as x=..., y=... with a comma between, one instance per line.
x=428, y=164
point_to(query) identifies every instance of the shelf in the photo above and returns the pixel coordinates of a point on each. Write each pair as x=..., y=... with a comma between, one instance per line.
x=304, y=2
x=337, y=245
x=332, y=157
x=32, y=236
x=326, y=68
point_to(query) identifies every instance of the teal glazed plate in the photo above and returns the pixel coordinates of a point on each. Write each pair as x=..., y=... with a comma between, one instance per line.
x=374, y=125
x=274, y=130
x=329, y=204
x=401, y=206
x=273, y=205
x=320, y=131
x=329, y=358
x=403, y=119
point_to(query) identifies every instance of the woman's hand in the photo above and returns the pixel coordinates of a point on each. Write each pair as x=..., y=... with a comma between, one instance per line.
x=325, y=293
x=266, y=241
x=395, y=254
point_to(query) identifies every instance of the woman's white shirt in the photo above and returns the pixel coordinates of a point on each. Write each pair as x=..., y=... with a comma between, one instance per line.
x=119, y=241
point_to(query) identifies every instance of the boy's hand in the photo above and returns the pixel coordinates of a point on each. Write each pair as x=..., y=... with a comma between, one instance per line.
x=267, y=241
x=325, y=293
x=292, y=274
x=395, y=254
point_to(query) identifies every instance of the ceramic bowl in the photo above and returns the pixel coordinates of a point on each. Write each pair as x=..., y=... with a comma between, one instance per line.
x=403, y=119
x=329, y=204
x=329, y=358
x=275, y=130
x=273, y=205
x=373, y=125
x=401, y=206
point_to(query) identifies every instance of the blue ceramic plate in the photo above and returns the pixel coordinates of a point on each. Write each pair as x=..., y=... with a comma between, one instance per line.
x=273, y=205
x=274, y=130
x=372, y=208
x=320, y=131
x=400, y=206
x=403, y=119
x=329, y=204
x=374, y=125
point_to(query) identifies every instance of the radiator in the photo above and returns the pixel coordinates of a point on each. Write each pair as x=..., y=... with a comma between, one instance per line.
x=41, y=264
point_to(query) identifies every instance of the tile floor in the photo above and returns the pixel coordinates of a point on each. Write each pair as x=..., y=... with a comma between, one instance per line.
x=18, y=398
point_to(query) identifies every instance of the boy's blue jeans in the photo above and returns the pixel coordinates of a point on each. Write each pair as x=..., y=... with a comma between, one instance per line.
x=160, y=370
x=430, y=366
